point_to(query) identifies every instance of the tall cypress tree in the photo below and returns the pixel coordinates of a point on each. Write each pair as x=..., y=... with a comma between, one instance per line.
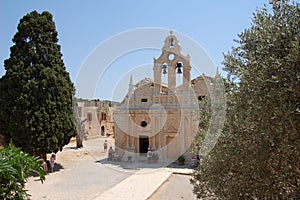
x=36, y=92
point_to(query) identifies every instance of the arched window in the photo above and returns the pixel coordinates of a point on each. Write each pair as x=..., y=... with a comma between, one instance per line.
x=171, y=43
x=103, y=116
x=200, y=98
x=89, y=117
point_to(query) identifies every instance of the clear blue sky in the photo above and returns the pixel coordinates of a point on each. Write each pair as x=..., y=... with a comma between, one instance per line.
x=83, y=25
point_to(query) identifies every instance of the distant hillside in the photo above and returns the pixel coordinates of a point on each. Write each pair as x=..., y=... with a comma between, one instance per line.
x=111, y=103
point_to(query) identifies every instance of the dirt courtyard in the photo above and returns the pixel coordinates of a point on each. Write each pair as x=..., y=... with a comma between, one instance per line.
x=80, y=175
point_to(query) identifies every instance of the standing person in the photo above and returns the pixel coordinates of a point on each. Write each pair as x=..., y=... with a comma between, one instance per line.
x=45, y=165
x=52, y=161
x=110, y=153
x=149, y=155
x=105, y=146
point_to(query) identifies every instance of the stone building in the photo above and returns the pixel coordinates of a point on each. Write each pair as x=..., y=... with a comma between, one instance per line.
x=161, y=116
x=97, y=117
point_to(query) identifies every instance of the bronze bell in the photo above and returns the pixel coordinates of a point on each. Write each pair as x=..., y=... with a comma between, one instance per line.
x=179, y=71
x=164, y=67
x=178, y=66
x=171, y=42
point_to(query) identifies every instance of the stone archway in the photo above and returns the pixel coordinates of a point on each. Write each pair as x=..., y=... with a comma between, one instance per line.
x=102, y=131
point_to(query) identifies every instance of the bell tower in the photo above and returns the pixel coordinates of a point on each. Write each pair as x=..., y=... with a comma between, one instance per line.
x=171, y=62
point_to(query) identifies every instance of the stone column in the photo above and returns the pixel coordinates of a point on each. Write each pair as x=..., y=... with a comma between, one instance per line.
x=186, y=76
x=172, y=77
x=127, y=140
x=157, y=78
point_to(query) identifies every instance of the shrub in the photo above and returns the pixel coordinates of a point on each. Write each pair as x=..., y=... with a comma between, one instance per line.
x=15, y=168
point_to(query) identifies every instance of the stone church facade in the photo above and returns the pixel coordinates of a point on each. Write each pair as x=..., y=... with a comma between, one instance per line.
x=161, y=116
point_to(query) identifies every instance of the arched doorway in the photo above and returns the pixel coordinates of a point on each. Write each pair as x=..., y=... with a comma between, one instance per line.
x=144, y=145
x=102, y=131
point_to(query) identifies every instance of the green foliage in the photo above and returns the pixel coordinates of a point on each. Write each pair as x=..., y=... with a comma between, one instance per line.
x=204, y=120
x=181, y=159
x=36, y=92
x=15, y=168
x=155, y=156
x=212, y=112
x=257, y=155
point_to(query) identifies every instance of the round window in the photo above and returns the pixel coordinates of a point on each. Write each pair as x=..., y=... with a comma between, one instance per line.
x=144, y=124
x=171, y=56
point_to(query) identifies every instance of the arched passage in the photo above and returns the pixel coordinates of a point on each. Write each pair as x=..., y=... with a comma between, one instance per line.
x=102, y=131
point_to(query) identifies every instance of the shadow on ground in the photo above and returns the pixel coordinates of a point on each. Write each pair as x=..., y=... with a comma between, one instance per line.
x=142, y=164
x=73, y=148
x=57, y=167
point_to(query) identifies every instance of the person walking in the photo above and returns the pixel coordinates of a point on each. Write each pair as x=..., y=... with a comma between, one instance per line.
x=105, y=146
x=45, y=165
x=52, y=162
x=149, y=155
x=110, y=153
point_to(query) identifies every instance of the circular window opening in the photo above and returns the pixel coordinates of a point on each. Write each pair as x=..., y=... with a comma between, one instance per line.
x=144, y=124
x=171, y=56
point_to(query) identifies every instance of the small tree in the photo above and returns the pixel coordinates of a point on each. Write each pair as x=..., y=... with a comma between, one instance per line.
x=36, y=91
x=15, y=168
x=81, y=130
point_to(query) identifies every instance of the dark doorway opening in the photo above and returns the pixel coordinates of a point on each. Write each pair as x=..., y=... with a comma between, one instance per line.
x=144, y=144
x=102, y=131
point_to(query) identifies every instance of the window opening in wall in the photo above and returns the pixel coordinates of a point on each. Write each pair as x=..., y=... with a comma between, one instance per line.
x=144, y=100
x=103, y=116
x=200, y=98
x=89, y=117
x=171, y=43
x=102, y=131
x=144, y=124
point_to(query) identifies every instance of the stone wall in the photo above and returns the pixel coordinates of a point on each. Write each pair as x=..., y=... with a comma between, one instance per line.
x=97, y=116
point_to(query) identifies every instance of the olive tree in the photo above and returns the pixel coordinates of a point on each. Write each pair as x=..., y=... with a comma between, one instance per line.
x=257, y=154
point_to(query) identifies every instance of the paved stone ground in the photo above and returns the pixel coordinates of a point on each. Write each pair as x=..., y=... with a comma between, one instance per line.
x=80, y=178
x=176, y=187
x=85, y=174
